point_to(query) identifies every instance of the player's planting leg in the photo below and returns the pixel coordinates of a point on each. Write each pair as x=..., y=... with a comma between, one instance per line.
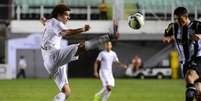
x=64, y=94
x=190, y=77
x=61, y=81
x=66, y=91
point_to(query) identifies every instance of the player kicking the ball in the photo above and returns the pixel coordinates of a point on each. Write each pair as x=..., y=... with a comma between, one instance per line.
x=106, y=59
x=187, y=37
x=55, y=57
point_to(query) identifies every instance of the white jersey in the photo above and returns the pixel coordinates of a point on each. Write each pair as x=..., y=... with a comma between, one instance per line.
x=22, y=64
x=51, y=38
x=107, y=59
x=55, y=58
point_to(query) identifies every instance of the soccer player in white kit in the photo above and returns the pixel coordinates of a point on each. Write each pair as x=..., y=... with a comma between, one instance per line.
x=105, y=59
x=55, y=57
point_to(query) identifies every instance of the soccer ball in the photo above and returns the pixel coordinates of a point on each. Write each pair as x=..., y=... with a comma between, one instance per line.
x=136, y=21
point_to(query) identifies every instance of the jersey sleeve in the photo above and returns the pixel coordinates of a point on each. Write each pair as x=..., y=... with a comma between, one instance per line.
x=115, y=58
x=59, y=27
x=100, y=56
x=169, y=30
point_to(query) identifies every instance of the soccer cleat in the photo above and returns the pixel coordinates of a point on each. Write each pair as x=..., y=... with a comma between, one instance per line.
x=97, y=98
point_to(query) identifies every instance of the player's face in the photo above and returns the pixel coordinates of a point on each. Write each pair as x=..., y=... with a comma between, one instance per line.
x=65, y=17
x=181, y=20
x=108, y=46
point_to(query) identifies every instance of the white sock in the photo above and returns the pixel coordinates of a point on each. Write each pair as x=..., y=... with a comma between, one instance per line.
x=101, y=92
x=106, y=95
x=60, y=97
x=94, y=43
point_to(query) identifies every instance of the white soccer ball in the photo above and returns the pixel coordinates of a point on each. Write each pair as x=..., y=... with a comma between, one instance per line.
x=136, y=21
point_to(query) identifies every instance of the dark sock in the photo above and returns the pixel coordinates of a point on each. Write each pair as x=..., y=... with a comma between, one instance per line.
x=190, y=92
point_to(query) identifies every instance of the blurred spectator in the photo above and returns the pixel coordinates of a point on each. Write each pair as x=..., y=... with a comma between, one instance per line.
x=22, y=65
x=103, y=10
x=136, y=63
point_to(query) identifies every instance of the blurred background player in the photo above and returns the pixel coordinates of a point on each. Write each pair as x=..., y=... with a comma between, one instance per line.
x=22, y=65
x=105, y=59
x=187, y=35
x=56, y=57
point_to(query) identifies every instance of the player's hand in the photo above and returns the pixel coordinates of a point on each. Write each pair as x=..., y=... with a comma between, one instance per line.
x=43, y=20
x=167, y=39
x=86, y=28
x=196, y=37
x=168, y=34
x=96, y=75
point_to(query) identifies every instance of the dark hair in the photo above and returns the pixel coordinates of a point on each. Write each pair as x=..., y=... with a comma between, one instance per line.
x=180, y=11
x=59, y=10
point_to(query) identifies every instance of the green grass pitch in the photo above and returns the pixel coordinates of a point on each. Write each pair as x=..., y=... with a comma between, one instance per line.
x=84, y=89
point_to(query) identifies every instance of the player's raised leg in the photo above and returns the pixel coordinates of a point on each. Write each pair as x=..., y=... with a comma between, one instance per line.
x=94, y=43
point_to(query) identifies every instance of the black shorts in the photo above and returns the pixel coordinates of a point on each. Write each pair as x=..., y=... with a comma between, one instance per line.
x=194, y=64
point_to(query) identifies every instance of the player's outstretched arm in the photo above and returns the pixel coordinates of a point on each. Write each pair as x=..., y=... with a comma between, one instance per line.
x=96, y=64
x=121, y=64
x=70, y=32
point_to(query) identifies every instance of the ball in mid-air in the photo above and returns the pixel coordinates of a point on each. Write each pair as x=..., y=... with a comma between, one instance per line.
x=136, y=21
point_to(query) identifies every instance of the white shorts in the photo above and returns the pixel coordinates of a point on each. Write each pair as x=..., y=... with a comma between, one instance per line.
x=107, y=78
x=55, y=60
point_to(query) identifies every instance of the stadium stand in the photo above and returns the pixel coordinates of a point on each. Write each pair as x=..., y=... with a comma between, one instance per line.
x=31, y=9
x=154, y=9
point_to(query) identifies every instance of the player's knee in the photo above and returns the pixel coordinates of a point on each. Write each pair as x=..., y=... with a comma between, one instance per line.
x=109, y=88
x=191, y=76
x=188, y=79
